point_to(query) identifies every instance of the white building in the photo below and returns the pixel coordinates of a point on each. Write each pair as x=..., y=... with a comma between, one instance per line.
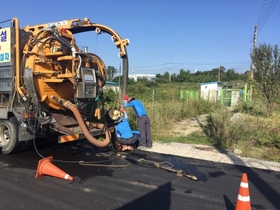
x=112, y=85
x=150, y=77
x=211, y=90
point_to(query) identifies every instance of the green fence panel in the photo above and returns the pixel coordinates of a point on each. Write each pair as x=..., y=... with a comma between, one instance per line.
x=189, y=94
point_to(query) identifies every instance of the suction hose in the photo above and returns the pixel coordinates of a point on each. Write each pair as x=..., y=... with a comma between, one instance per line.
x=82, y=125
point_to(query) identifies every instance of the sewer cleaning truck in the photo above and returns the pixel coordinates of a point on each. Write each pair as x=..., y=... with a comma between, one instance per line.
x=47, y=81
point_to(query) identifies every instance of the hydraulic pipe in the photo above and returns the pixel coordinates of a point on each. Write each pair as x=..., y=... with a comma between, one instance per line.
x=124, y=77
x=18, y=73
x=83, y=127
x=66, y=44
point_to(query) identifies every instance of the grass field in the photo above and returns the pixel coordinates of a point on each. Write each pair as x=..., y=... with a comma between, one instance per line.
x=241, y=127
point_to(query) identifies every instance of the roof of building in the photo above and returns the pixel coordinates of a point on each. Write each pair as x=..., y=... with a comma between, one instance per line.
x=142, y=75
x=111, y=83
x=209, y=83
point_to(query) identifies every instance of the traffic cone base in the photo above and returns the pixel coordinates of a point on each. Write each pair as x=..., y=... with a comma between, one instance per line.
x=243, y=198
x=45, y=167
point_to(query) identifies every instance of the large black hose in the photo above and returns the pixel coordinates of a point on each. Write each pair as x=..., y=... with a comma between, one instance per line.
x=124, y=77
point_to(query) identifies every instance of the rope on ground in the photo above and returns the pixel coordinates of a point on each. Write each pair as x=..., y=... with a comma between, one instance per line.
x=120, y=155
x=161, y=165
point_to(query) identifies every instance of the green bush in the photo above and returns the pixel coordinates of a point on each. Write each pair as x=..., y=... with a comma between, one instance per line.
x=256, y=108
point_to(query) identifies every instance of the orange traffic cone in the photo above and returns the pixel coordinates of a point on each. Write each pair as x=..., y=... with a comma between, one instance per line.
x=45, y=167
x=243, y=198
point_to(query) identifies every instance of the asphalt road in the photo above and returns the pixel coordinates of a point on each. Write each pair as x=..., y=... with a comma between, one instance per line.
x=115, y=183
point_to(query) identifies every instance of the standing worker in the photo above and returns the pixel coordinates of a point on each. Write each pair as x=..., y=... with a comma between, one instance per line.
x=143, y=121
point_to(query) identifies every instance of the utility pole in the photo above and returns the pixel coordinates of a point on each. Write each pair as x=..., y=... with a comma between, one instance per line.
x=219, y=75
x=120, y=95
x=254, y=48
x=120, y=69
x=252, y=64
x=169, y=71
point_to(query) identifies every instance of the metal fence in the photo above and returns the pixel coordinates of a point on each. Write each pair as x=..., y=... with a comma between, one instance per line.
x=227, y=97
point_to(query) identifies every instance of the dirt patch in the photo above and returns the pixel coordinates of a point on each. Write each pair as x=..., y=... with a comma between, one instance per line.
x=188, y=126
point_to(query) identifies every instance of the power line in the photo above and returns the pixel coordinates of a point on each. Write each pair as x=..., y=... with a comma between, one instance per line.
x=151, y=65
x=176, y=68
x=4, y=21
x=261, y=12
x=239, y=62
x=266, y=11
x=186, y=63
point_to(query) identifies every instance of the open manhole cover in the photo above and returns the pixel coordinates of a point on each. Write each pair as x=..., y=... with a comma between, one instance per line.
x=204, y=148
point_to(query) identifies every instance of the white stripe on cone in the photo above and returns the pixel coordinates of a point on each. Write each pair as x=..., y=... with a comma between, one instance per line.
x=243, y=198
x=244, y=184
x=66, y=176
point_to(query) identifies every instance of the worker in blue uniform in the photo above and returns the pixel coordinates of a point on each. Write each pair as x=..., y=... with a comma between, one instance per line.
x=142, y=119
x=125, y=137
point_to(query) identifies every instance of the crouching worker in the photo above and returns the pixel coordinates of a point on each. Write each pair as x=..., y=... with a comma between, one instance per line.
x=124, y=135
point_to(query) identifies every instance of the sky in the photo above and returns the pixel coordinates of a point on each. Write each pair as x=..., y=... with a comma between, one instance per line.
x=165, y=35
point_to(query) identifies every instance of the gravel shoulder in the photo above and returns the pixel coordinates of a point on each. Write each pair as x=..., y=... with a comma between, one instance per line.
x=204, y=152
x=210, y=153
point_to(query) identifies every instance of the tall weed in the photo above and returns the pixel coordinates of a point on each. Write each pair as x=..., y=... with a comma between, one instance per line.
x=244, y=131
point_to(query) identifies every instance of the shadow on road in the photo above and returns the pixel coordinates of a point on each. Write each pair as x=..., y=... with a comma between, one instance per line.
x=151, y=200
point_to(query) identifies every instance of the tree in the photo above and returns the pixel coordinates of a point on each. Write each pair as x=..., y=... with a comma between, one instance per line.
x=111, y=72
x=162, y=78
x=266, y=60
x=184, y=76
x=231, y=75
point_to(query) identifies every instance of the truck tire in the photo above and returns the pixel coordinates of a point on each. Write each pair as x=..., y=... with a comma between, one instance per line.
x=9, y=142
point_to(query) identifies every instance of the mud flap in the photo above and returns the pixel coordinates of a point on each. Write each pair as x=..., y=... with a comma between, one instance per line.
x=68, y=138
x=78, y=136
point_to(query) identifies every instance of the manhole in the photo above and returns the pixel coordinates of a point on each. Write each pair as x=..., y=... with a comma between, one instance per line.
x=204, y=148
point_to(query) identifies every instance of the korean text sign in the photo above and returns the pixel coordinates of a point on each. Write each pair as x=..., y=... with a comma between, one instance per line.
x=5, y=45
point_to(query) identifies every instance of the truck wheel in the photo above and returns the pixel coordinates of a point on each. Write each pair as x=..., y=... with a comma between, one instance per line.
x=9, y=136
